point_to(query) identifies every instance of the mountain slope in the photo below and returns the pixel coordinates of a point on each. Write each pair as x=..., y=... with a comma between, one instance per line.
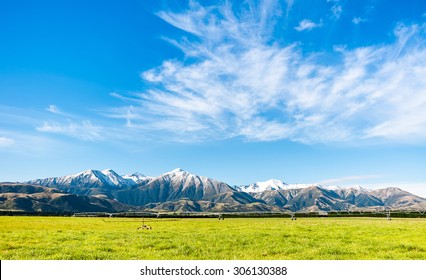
x=107, y=178
x=179, y=190
x=29, y=198
x=138, y=178
x=174, y=185
x=397, y=198
x=89, y=182
x=269, y=185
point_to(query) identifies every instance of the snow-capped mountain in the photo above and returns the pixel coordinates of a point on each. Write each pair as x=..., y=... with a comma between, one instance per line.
x=339, y=189
x=137, y=177
x=116, y=180
x=172, y=186
x=87, y=179
x=179, y=189
x=269, y=185
x=183, y=181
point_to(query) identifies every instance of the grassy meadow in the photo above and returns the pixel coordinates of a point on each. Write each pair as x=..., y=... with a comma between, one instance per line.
x=77, y=238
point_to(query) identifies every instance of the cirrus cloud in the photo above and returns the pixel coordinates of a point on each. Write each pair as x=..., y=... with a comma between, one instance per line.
x=6, y=142
x=83, y=130
x=358, y=20
x=53, y=109
x=307, y=24
x=237, y=81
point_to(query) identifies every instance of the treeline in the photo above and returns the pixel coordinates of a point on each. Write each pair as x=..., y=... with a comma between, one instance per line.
x=373, y=214
x=25, y=213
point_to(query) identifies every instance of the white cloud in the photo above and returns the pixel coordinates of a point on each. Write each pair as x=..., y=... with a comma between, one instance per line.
x=84, y=130
x=307, y=24
x=25, y=143
x=6, y=142
x=239, y=82
x=358, y=20
x=53, y=109
x=289, y=5
x=336, y=11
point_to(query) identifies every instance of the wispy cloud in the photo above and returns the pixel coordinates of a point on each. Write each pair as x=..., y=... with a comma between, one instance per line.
x=6, y=142
x=365, y=16
x=97, y=128
x=84, y=130
x=358, y=20
x=237, y=81
x=53, y=109
x=336, y=9
x=307, y=24
x=289, y=5
x=25, y=143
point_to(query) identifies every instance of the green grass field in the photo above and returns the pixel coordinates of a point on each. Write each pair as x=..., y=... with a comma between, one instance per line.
x=246, y=238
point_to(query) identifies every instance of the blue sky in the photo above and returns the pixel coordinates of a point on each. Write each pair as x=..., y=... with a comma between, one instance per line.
x=329, y=92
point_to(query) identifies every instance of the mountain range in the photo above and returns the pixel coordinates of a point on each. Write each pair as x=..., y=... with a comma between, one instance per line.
x=181, y=191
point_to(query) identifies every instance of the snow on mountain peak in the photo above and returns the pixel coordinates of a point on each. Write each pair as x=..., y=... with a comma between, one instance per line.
x=113, y=178
x=110, y=173
x=273, y=184
x=136, y=177
x=268, y=185
x=357, y=189
x=360, y=189
x=85, y=172
x=137, y=174
x=176, y=170
x=109, y=178
x=90, y=177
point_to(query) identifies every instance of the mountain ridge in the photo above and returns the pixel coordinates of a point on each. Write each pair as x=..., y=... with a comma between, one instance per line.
x=179, y=190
